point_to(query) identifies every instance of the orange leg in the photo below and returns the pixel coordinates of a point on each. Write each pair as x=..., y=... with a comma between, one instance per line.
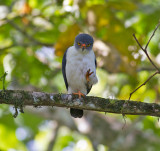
x=79, y=94
x=88, y=73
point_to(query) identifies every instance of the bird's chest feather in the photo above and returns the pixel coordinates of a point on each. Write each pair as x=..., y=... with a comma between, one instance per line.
x=77, y=66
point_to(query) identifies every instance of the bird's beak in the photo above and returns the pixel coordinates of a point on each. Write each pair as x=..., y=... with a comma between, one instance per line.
x=83, y=46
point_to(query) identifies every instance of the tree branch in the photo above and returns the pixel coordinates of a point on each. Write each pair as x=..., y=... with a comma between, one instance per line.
x=32, y=39
x=7, y=47
x=146, y=53
x=145, y=50
x=20, y=98
x=157, y=72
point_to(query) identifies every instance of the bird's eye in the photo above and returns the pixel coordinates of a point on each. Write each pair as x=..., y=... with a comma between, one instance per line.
x=88, y=45
x=78, y=43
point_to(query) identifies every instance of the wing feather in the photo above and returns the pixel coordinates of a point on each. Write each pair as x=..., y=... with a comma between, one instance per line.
x=64, y=61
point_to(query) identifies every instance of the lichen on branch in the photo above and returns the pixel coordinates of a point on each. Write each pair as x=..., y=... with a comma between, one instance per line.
x=20, y=98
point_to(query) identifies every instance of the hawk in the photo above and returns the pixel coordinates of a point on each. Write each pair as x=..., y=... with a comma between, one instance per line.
x=79, y=69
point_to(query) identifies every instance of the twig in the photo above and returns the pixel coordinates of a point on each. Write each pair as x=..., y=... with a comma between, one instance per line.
x=27, y=35
x=15, y=113
x=124, y=121
x=157, y=72
x=53, y=138
x=152, y=36
x=7, y=47
x=3, y=79
x=145, y=51
x=146, y=69
x=3, y=49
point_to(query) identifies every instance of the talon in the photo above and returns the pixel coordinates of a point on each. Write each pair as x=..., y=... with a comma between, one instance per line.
x=79, y=94
x=88, y=73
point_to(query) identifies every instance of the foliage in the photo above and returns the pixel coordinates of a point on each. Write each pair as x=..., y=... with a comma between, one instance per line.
x=33, y=37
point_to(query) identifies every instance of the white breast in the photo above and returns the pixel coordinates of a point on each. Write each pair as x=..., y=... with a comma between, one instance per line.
x=78, y=63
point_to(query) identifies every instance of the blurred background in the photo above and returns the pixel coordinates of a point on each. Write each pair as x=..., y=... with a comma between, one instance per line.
x=34, y=35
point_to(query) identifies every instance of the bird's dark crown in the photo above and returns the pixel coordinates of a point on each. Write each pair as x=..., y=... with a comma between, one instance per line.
x=83, y=41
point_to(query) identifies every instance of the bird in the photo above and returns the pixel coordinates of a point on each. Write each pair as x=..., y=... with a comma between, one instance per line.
x=79, y=69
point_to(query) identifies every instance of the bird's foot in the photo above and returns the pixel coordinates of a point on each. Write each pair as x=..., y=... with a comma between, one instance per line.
x=79, y=94
x=88, y=73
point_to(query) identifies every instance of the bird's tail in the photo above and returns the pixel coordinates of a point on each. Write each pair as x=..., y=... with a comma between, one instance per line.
x=76, y=113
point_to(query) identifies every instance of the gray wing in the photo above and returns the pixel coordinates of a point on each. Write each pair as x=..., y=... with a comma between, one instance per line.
x=95, y=62
x=64, y=61
x=90, y=87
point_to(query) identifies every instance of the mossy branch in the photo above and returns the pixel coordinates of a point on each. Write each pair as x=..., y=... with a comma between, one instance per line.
x=20, y=98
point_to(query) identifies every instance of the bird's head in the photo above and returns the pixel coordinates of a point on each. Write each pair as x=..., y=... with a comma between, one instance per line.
x=83, y=42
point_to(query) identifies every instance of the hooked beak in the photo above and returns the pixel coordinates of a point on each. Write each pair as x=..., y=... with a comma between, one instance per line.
x=83, y=46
